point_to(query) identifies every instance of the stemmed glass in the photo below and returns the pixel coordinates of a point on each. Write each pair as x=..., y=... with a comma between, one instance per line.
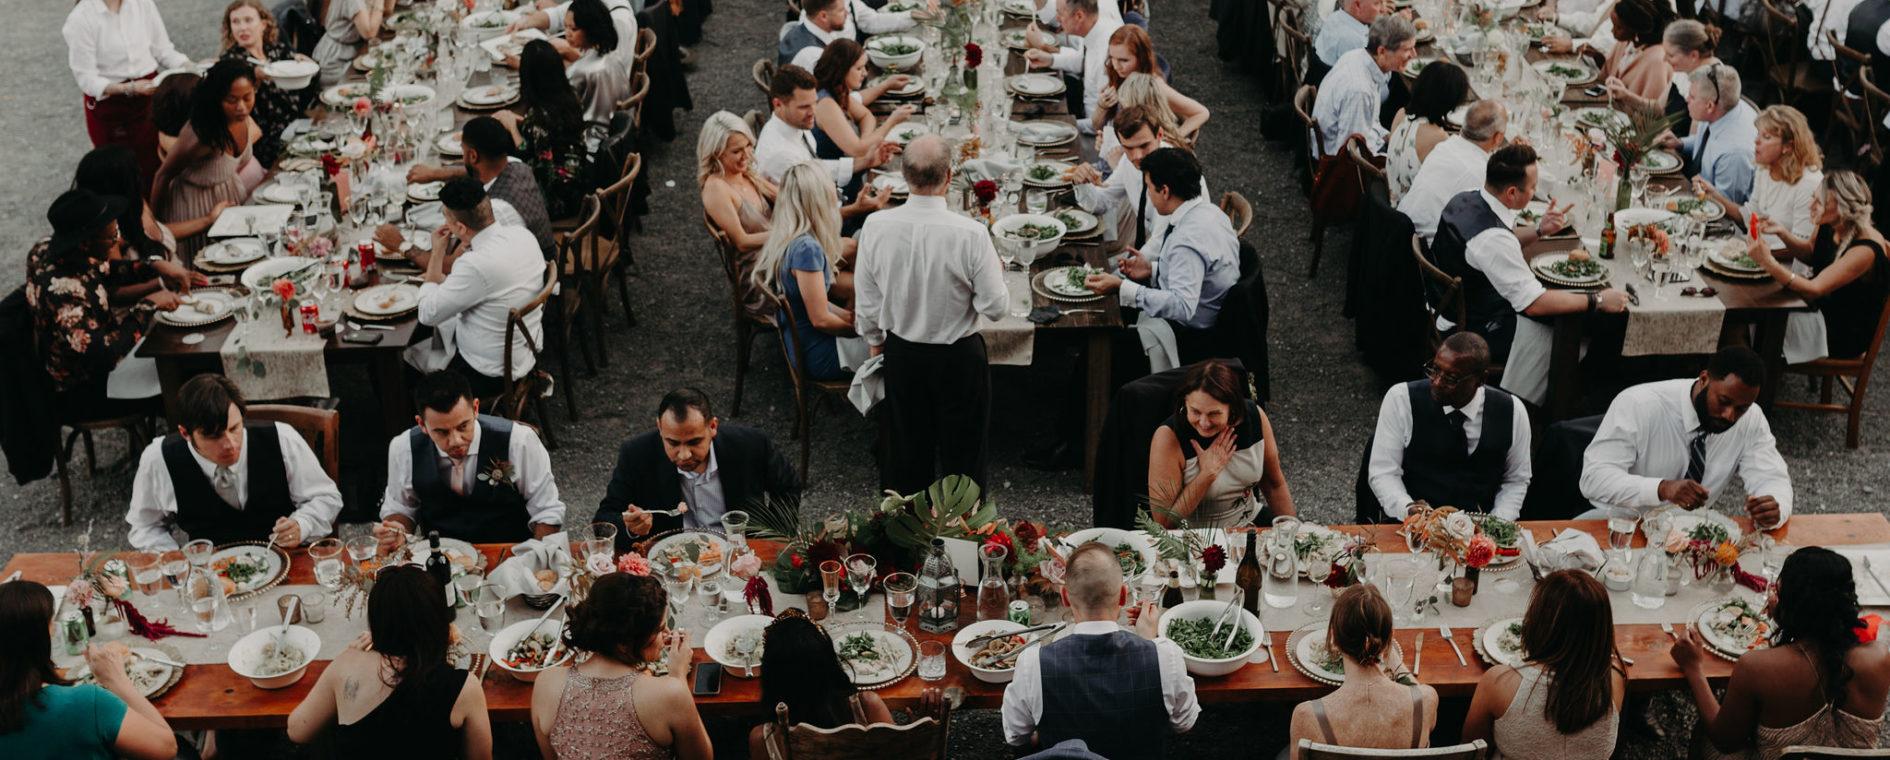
x=1400, y=582
x=901, y=589
x=1318, y=572
x=860, y=570
x=830, y=574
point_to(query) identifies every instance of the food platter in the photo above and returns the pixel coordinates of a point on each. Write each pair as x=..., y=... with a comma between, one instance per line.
x=993, y=661
x=680, y=549
x=1596, y=117
x=1047, y=174
x=725, y=641
x=231, y=254
x=249, y=567
x=1506, y=534
x=1687, y=522
x=874, y=655
x=1735, y=260
x=914, y=88
x=1557, y=269
x=510, y=44
x=1661, y=162
x=1732, y=627
x=264, y=273
x=385, y=301
x=150, y=677
x=893, y=182
x=1709, y=209
x=422, y=192
x=1078, y=222
x=1572, y=72
x=1124, y=542
x=1306, y=649
x=489, y=97
x=204, y=306
x=907, y=132
x=1055, y=285
x=1500, y=642
x=448, y=144
x=1014, y=39
x=1315, y=542
x=1416, y=66
x=1022, y=8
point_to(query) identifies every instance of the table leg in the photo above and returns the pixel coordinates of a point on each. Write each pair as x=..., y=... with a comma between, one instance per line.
x=1101, y=344
x=1565, y=366
x=390, y=383
x=171, y=376
x=1770, y=343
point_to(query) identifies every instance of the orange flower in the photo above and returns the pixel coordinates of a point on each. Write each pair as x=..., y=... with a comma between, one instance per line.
x=284, y=289
x=1726, y=554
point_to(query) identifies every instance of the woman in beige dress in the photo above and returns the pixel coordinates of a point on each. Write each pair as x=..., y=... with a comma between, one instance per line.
x=1209, y=456
x=212, y=162
x=1819, y=683
x=1564, y=699
x=1380, y=705
x=737, y=200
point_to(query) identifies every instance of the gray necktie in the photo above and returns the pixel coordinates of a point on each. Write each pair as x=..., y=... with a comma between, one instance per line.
x=224, y=481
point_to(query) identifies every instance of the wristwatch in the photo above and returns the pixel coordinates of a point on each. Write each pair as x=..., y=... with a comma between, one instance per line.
x=1594, y=300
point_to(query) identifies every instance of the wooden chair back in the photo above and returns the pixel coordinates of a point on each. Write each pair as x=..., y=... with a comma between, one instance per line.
x=1782, y=49
x=1876, y=107
x=513, y=399
x=633, y=105
x=1315, y=140
x=1443, y=293
x=764, y=75
x=922, y=738
x=1848, y=101
x=577, y=252
x=1475, y=750
x=646, y=47
x=320, y=428
x=755, y=120
x=732, y=269
x=1238, y=210
x=1807, y=752
x=1297, y=44
x=616, y=198
x=1853, y=374
x=1369, y=172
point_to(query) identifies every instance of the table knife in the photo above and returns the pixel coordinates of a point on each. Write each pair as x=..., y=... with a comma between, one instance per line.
x=1272, y=659
x=1417, y=654
x=1444, y=630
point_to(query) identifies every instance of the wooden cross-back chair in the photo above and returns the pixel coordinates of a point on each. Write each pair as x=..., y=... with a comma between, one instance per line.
x=804, y=386
x=633, y=103
x=746, y=325
x=1875, y=107
x=1853, y=374
x=320, y=428
x=580, y=255
x=139, y=429
x=646, y=47
x=1847, y=103
x=1290, y=20
x=1475, y=750
x=1238, y=210
x=1443, y=293
x=1786, y=57
x=530, y=389
x=763, y=73
x=1370, y=173
x=617, y=208
x=922, y=738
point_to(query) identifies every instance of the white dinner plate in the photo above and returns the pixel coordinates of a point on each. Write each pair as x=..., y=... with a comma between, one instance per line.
x=1035, y=85
x=201, y=307
x=387, y=300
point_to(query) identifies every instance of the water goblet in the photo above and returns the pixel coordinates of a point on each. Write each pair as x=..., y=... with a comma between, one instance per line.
x=1318, y=572
x=198, y=552
x=860, y=572
x=901, y=590
x=326, y=554
x=830, y=575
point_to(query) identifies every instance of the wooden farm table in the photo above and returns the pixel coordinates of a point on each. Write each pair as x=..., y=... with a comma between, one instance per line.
x=213, y=696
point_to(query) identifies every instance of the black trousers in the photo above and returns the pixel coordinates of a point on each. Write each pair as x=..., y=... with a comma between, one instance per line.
x=937, y=413
x=483, y=386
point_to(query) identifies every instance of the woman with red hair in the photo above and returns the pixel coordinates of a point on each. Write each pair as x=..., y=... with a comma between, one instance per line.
x=1132, y=52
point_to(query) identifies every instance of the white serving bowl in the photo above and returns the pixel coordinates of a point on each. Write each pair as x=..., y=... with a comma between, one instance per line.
x=1034, y=248
x=890, y=61
x=510, y=635
x=962, y=650
x=486, y=25
x=246, y=655
x=1209, y=609
x=292, y=75
x=715, y=642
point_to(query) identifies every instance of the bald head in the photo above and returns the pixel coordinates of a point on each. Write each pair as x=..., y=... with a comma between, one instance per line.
x=1485, y=122
x=1093, y=581
x=928, y=167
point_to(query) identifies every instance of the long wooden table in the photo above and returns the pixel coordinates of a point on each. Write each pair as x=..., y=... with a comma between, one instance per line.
x=213, y=696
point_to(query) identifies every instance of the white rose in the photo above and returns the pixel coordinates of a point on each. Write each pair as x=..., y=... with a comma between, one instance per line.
x=1459, y=526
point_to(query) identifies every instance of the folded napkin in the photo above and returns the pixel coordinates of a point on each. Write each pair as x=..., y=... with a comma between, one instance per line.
x=868, y=387
x=1569, y=549
x=1869, y=593
x=987, y=168
x=1158, y=341
x=519, y=575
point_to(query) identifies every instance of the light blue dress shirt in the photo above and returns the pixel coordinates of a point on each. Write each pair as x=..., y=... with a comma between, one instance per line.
x=1198, y=263
x=1339, y=34
x=1349, y=99
x=1726, y=158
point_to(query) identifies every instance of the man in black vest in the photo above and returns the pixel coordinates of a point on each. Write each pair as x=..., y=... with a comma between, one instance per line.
x=694, y=463
x=822, y=21
x=467, y=475
x=221, y=479
x=1113, y=688
x=1450, y=441
x=1477, y=242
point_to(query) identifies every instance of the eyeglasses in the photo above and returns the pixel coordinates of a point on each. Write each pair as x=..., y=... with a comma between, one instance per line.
x=1438, y=375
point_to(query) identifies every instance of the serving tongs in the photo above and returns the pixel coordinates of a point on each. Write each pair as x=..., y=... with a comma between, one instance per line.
x=978, y=641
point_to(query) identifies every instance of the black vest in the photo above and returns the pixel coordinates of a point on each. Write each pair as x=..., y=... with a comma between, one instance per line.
x=1438, y=471
x=1488, y=314
x=797, y=37
x=1860, y=34
x=1107, y=691
x=201, y=513
x=487, y=514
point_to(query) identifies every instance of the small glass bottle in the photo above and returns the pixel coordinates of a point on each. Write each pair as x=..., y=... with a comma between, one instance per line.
x=994, y=598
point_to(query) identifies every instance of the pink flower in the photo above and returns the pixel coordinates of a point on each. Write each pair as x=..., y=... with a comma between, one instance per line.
x=600, y=564
x=1480, y=551
x=363, y=106
x=633, y=563
x=748, y=565
x=284, y=289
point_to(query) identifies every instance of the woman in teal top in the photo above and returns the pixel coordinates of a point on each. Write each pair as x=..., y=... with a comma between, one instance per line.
x=797, y=262
x=43, y=715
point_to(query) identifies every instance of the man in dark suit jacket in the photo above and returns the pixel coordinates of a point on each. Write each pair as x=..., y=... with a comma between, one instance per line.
x=693, y=461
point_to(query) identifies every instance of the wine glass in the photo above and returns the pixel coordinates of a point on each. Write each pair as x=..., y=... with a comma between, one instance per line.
x=901, y=589
x=830, y=574
x=860, y=570
x=1400, y=582
x=1318, y=572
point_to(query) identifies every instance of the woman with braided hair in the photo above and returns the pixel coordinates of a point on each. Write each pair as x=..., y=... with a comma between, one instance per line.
x=1819, y=683
x=1380, y=705
x=1850, y=277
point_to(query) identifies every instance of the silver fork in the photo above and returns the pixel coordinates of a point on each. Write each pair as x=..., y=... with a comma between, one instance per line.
x=1668, y=629
x=1872, y=572
x=1444, y=630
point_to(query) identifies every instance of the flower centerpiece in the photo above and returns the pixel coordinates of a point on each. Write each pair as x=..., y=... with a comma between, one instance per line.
x=1633, y=139
x=1711, y=553
x=1458, y=540
x=1349, y=565
x=1184, y=549
x=984, y=191
x=102, y=593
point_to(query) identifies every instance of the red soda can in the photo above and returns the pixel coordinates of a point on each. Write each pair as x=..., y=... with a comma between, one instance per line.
x=365, y=252
x=309, y=313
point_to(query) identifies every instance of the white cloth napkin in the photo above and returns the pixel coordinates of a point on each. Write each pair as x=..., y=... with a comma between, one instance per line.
x=435, y=354
x=1869, y=593
x=868, y=387
x=1573, y=548
x=518, y=575
x=987, y=168
x=135, y=377
x=1158, y=341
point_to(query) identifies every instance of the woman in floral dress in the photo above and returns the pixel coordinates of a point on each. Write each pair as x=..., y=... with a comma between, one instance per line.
x=250, y=34
x=550, y=133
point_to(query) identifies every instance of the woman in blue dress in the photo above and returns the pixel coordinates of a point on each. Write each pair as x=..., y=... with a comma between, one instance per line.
x=797, y=262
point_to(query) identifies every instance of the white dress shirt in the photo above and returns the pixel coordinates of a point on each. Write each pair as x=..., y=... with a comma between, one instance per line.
x=1106, y=9
x=780, y=146
x=808, y=56
x=1455, y=166
x=154, y=498
x=1122, y=193
x=1023, y=698
x=925, y=274
x=1644, y=438
x=623, y=18
x=105, y=48
x=1386, y=471
x=870, y=20
x=1089, y=58
x=1349, y=99
x=1588, y=22
x=502, y=269
x=1724, y=149
x=1498, y=255
x=1197, y=264
x=703, y=493
x=1827, y=16
x=1787, y=204
x=1339, y=34
x=530, y=461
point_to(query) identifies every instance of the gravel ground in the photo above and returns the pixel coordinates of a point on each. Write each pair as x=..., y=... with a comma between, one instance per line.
x=1324, y=400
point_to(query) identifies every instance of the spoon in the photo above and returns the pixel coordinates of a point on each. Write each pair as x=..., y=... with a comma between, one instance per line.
x=288, y=613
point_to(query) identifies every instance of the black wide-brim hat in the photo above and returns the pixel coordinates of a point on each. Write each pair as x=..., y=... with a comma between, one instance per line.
x=78, y=215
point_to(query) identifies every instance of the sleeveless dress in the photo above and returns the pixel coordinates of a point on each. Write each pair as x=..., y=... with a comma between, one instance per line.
x=1401, y=156
x=414, y=722
x=597, y=720
x=1417, y=722
x=199, y=187
x=755, y=219
x=1846, y=318
x=1830, y=726
x=826, y=149
x=1229, y=501
x=1526, y=729
x=340, y=41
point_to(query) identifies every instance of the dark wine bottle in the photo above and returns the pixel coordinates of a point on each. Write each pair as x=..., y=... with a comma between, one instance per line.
x=437, y=565
x=1171, y=596
x=1247, y=576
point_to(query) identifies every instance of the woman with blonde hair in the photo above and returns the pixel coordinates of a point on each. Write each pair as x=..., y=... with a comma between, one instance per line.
x=1849, y=277
x=798, y=261
x=1131, y=52
x=735, y=197
x=1380, y=705
x=1785, y=181
x=250, y=33
x=1144, y=90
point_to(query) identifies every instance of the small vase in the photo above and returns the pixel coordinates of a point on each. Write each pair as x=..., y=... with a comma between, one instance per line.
x=1207, y=587
x=1463, y=588
x=288, y=317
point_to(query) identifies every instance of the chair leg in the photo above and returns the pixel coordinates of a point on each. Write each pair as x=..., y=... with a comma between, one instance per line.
x=595, y=284
x=579, y=333
x=561, y=336
x=1318, y=246
x=623, y=291
x=91, y=457
x=744, y=335
x=544, y=421
x=1824, y=390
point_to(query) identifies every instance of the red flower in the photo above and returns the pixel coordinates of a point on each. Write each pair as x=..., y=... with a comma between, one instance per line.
x=1000, y=538
x=974, y=55
x=756, y=591
x=797, y=561
x=1340, y=577
x=544, y=155
x=330, y=164
x=986, y=190
x=1213, y=559
x=284, y=289
x=1027, y=532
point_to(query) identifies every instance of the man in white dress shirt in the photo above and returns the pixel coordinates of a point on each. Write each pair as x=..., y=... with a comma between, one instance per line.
x=1082, y=20
x=467, y=475
x=785, y=140
x=1454, y=166
x=1679, y=442
x=1476, y=240
x=1351, y=95
x=1449, y=440
x=501, y=270
x=822, y=21
x=115, y=48
x=1123, y=197
x=1344, y=30
x=209, y=481
x=1112, y=688
x=924, y=277
x=552, y=17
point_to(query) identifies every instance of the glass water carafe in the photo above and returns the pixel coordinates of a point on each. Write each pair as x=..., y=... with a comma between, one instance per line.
x=1280, y=585
x=994, y=598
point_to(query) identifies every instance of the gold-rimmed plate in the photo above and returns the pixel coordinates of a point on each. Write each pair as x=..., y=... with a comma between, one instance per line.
x=894, y=653
x=266, y=565
x=1306, y=650
x=202, y=306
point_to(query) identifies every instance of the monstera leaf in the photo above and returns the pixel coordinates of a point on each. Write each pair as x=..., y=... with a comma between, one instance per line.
x=949, y=508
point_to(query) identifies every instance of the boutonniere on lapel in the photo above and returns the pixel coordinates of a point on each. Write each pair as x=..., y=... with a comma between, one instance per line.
x=501, y=473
